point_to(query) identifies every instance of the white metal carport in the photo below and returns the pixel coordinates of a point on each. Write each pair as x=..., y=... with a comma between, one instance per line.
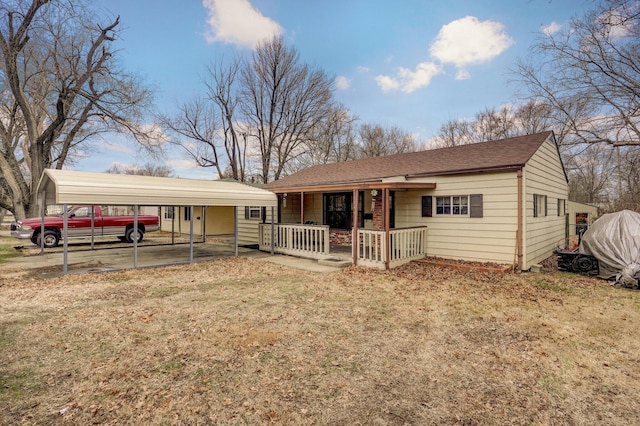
x=69, y=187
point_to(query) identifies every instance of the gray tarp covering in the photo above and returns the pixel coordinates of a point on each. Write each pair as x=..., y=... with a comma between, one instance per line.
x=614, y=240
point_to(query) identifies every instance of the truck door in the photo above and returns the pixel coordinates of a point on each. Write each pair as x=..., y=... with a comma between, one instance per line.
x=79, y=222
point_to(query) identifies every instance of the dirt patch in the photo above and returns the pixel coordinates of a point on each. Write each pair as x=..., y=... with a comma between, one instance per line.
x=241, y=341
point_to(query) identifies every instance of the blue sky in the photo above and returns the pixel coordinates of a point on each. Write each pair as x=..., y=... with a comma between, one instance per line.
x=414, y=64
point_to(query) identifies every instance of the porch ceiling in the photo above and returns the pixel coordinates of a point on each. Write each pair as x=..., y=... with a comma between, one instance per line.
x=357, y=186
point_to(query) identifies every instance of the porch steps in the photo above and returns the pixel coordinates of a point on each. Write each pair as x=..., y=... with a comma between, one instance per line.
x=335, y=262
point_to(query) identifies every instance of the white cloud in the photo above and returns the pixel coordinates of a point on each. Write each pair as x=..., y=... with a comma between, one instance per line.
x=238, y=22
x=118, y=147
x=387, y=83
x=362, y=69
x=154, y=135
x=552, y=28
x=342, y=82
x=462, y=43
x=409, y=81
x=468, y=41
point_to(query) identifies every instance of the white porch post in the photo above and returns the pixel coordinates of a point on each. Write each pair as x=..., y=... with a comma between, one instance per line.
x=387, y=219
x=273, y=229
x=354, y=227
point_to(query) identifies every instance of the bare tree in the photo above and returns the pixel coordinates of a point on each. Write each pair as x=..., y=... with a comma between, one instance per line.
x=628, y=170
x=453, y=133
x=283, y=100
x=333, y=140
x=590, y=74
x=376, y=141
x=194, y=128
x=147, y=169
x=222, y=92
x=60, y=84
x=590, y=172
x=492, y=124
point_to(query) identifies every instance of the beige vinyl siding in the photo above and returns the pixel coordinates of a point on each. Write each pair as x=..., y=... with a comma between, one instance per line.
x=491, y=238
x=219, y=220
x=543, y=174
x=248, y=228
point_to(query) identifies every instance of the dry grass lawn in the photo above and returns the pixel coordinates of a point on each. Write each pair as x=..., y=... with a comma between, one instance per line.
x=243, y=341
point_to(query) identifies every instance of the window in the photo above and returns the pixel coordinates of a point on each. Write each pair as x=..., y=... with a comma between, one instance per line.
x=539, y=205
x=337, y=210
x=253, y=212
x=443, y=205
x=168, y=212
x=562, y=209
x=82, y=212
x=460, y=205
x=457, y=205
x=187, y=213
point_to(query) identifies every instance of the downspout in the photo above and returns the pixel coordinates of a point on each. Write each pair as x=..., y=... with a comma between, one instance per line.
x=519, y=238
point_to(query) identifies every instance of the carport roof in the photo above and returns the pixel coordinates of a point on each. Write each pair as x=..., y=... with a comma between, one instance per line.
x=73, y=187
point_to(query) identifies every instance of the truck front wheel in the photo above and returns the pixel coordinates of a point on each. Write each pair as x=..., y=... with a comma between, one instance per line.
x=51, y=238
x=131, y=234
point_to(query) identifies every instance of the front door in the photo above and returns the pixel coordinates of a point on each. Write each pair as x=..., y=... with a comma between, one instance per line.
x=337, y=210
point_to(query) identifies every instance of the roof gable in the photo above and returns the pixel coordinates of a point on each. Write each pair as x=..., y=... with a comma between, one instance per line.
x=496, y=155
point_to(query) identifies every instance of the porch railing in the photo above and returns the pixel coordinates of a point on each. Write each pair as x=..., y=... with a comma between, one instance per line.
x=295, y=239
x=406, y=244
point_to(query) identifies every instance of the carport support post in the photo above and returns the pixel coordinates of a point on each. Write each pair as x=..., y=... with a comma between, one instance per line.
x=173, y=224
x=65, y=240
x=204, y=224
x=42, y=223
x=235, y=229
x=190, y=234
x=135, y=236
x=92, y=225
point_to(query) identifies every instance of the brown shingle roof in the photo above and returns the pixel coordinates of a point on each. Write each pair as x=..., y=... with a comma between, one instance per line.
x=485, y=156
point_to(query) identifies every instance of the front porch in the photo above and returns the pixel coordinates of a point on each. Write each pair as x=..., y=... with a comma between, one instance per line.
x=381, y=249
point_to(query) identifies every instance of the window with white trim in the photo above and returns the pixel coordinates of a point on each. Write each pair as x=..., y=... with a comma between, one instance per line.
x=168, y=213
x=457, y=205
x=253, y=212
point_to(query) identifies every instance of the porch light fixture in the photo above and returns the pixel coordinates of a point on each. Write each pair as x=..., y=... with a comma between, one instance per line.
x=284, y=200
x=374, y=192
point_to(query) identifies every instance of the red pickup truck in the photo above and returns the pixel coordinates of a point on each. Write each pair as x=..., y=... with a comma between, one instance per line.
x=79, y=225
